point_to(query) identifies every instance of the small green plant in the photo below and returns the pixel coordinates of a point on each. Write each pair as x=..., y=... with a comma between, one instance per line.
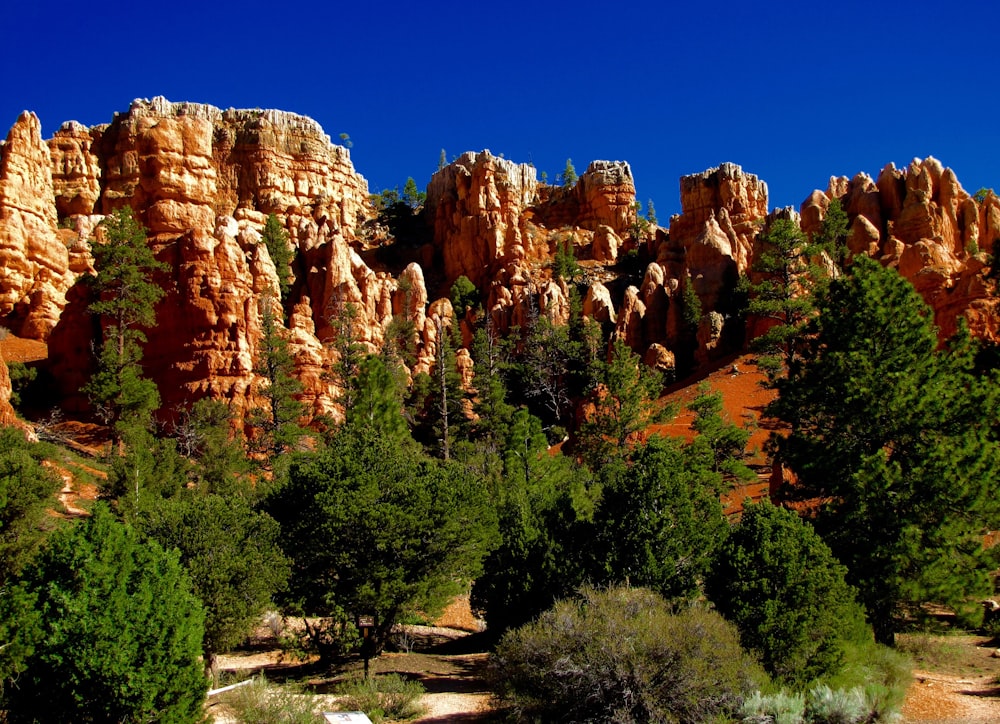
x=972, y=247
x=264, y=703
x=836, y=706
x=383, y=698
x=779, y=708
x=464, y=295
x=20, y=377
x=564, y=264
x=569, y=176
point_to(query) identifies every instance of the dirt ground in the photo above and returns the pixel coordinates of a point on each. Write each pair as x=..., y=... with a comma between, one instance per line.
x=955, y=679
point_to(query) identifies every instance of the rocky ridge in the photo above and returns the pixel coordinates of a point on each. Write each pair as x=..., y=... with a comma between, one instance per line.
x=203, y=180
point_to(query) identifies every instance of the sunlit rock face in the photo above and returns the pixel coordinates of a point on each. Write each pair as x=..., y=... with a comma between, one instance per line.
x=922, y=222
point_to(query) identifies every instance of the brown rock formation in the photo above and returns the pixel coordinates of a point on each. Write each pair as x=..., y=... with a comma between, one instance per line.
x=34, y=263
x=606, y=193
x=7, y=416
x=76, y=169
x=202, y=181
x=476, y=205
x=734, y=200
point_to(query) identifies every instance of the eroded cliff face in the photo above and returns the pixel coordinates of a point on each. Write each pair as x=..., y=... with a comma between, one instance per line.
x=34, y=262
x=921, y=221
x=202, y=180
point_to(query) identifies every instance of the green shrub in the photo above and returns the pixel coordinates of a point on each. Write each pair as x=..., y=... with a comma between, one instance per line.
x=388, y=697
x=264, y=703
x=779, y=583
x=464, y=295
x=883, y=672
x=821, y=705
x=622, y=655
x=836, y=706
x=779, y=708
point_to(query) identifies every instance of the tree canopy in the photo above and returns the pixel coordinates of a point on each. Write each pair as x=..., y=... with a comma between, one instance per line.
x=114, y=634
x=900, y=437
x=374, y=529
x=125, y=298
x=780, y=584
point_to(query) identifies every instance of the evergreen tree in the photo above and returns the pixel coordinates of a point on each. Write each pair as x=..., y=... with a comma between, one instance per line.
x=117, y=636
x=350, y=350
x=126, y=300
x=783, y=297
x=493, y=413
x=726, y=441
x=275, y=238
x=277, y=421
x=543, y=502
x=624, y=406
x=375, y=529
x=231, y=554
x=545, y=366
x=206, y=438
x=412, y=196
x=27, y=490
x=651, y=213
x=832, y=235
x=378, y=401
x=442, y=160
x=569, y=174
x=900, y=438
x=780, y=584
x=659, y=519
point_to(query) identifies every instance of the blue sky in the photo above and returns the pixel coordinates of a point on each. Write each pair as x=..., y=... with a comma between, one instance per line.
x=793, y=92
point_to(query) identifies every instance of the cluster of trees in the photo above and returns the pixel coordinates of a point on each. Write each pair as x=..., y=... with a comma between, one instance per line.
x=412, y=500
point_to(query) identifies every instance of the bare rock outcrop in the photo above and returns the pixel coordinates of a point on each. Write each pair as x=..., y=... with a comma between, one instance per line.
x=34, y=263
x=606, y=193
x=921, y=221
x=476, y=205
x=202, y=181
x=735, y=201
x=7, y=416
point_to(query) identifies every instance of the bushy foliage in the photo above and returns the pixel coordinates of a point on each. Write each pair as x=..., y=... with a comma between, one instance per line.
x=117, y=632
x=900, y=437
x=820, y=705
x=544, y=503
x=389, y=697
x=622, y=655
x=375, y=528
x=26, y=490
x=231, y=554
x=659, y=519
x=263, y=703
x=463, y=295
x=778, y=582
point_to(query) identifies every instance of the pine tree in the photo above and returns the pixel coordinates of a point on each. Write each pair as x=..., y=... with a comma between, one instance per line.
x=625, y=404
x=277, y=421
x=232, y=557
x=275, y=238
x=117, y=632
x=569, y=176
x=784, y=295
x=780, y=584
x=126, y=299
x=899, y=437
x=832, y=235
x=375, y=528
